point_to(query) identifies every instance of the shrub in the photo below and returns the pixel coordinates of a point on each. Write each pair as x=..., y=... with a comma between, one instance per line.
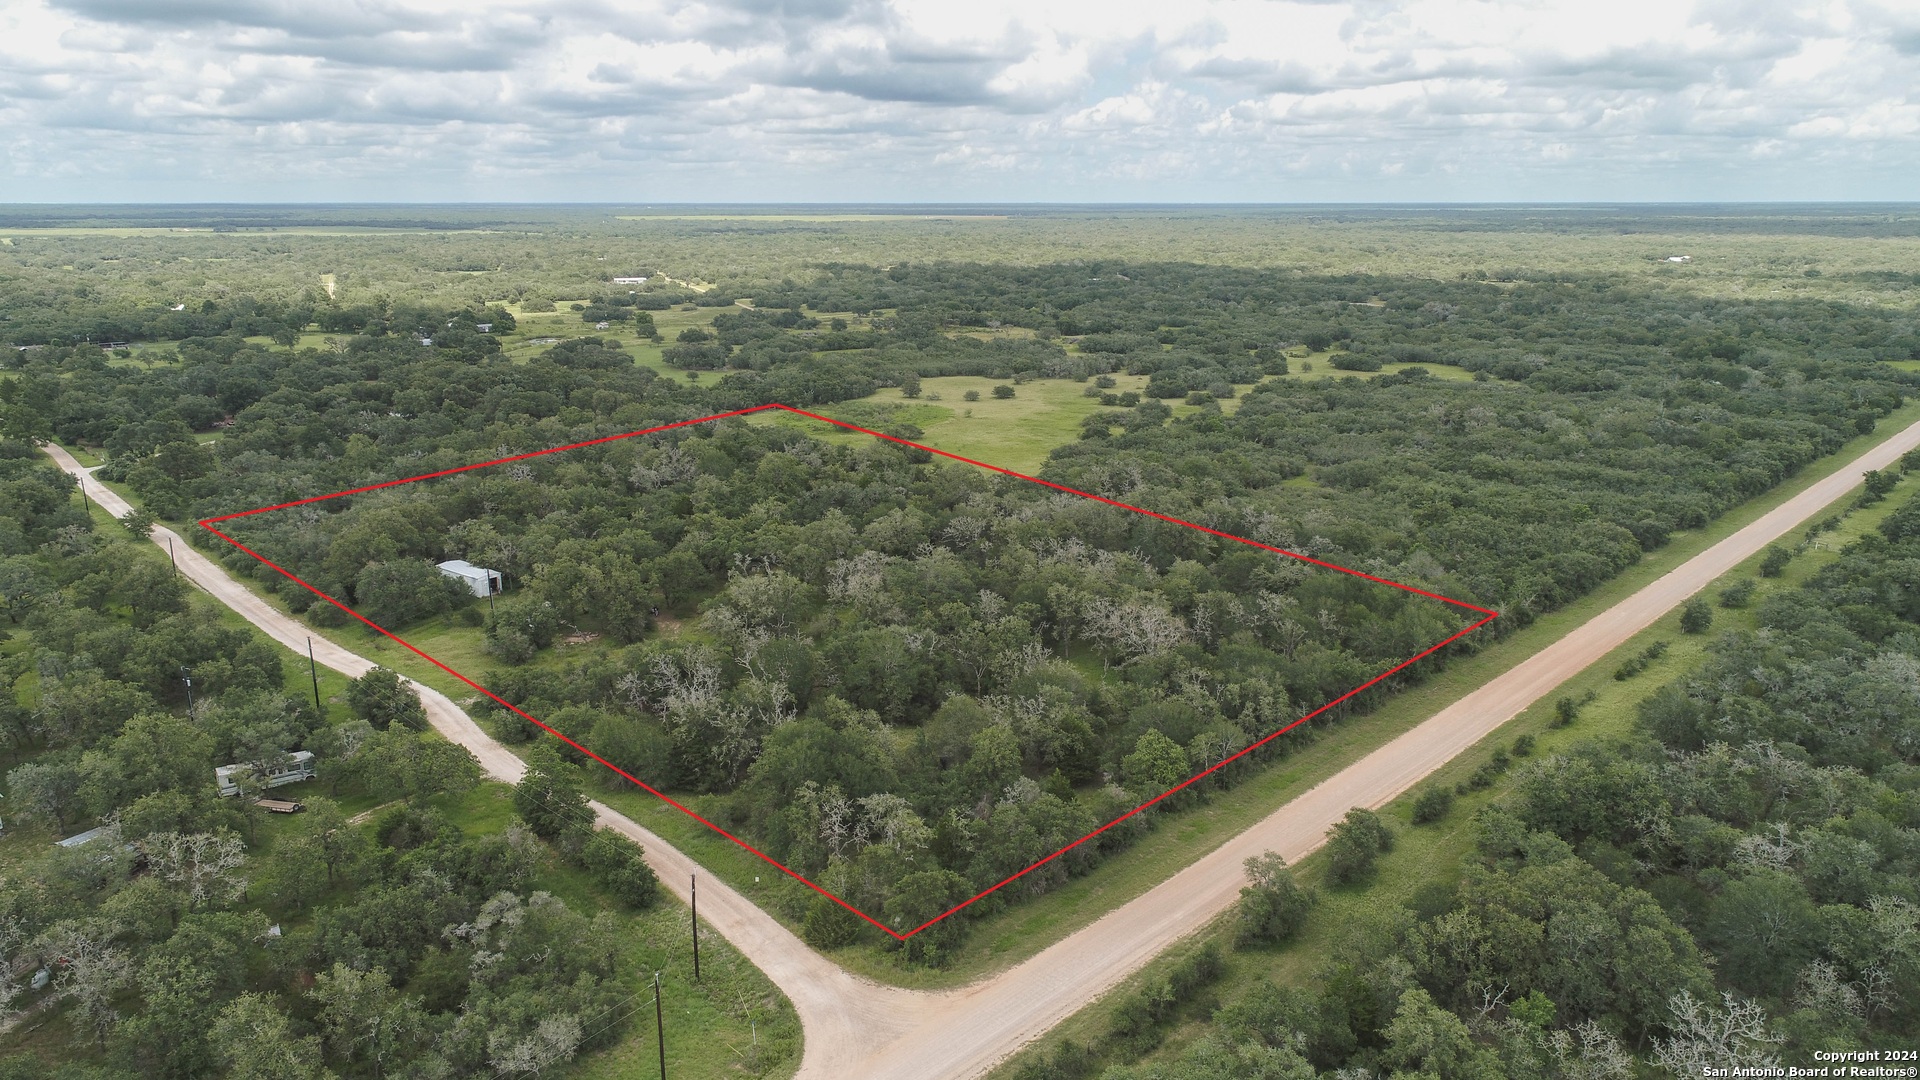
x=1565, y=712
x=510, y=646
x=548, y=796
x=401, y=591
x=379, y=698
x=828, y=925
x=1432, y=805
x=1003, y=391
x=1489, y=771
x=1637, y=664
x=1903, y=522
x=1432, y=900
x=1355, y=845
x=1878, y=485
x=1137, y=1022
x=1272, y=906
x=619, y=866
x=1775, y=562
x=1738, y=594
x=971, y=395
x=1070, y=1061
x=1696, y=617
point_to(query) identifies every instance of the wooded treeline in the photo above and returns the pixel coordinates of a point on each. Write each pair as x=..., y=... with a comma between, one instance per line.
x=911, y=678
x=192, y=936
x=1735, y=885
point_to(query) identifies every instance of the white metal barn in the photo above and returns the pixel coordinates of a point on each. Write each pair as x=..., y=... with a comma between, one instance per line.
x=478, y=579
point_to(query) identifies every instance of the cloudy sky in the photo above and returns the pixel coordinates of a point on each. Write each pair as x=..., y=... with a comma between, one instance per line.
x=931, y=100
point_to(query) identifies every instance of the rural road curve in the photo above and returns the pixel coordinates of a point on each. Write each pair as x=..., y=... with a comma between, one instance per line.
x=841, y=1015
x=858, y=1030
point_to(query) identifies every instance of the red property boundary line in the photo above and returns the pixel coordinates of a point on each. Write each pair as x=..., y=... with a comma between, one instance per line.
x=1487, y=616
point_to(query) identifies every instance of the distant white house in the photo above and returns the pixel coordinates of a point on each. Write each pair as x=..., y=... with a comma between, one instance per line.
x=629, y=281
x=1680, y=258
x=478, y=579
x=484, y=327
x=298, y=766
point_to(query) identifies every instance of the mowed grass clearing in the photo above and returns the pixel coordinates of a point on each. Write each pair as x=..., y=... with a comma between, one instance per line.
x=1015, y=433
x=1314, y=367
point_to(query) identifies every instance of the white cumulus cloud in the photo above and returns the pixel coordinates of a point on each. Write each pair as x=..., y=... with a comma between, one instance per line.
x=916, y=100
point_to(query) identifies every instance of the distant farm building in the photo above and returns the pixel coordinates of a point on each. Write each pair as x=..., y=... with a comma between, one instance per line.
x=298, y=766
x=478, y=579
x=484, y=327
x=629, y=281
x=81, y=839
x=1680, y=258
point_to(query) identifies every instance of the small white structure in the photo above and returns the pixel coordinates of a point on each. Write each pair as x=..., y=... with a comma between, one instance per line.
x=629, y=281
x=81, y=839
x=484, y=327
x=478, y=579
x=298, y=766
x=1680, y=258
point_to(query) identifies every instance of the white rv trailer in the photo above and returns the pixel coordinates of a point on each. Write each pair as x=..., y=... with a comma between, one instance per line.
x=298, y=766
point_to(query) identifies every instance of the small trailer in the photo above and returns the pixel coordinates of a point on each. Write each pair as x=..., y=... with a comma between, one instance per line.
x=280, y=806
x=292, y=769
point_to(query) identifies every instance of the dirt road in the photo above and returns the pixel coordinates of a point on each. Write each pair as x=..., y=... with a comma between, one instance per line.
x=982, y=1024
x=843, y=1017
x=856, y=1030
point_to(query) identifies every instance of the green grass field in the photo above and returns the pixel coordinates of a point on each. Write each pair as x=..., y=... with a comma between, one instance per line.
x=1014, y=433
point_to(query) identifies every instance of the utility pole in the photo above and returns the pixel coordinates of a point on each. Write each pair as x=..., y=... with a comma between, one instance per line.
x=170, y=559
x=695, y=921
x=314, y=670
x=660, y=1025
x=188, y=676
